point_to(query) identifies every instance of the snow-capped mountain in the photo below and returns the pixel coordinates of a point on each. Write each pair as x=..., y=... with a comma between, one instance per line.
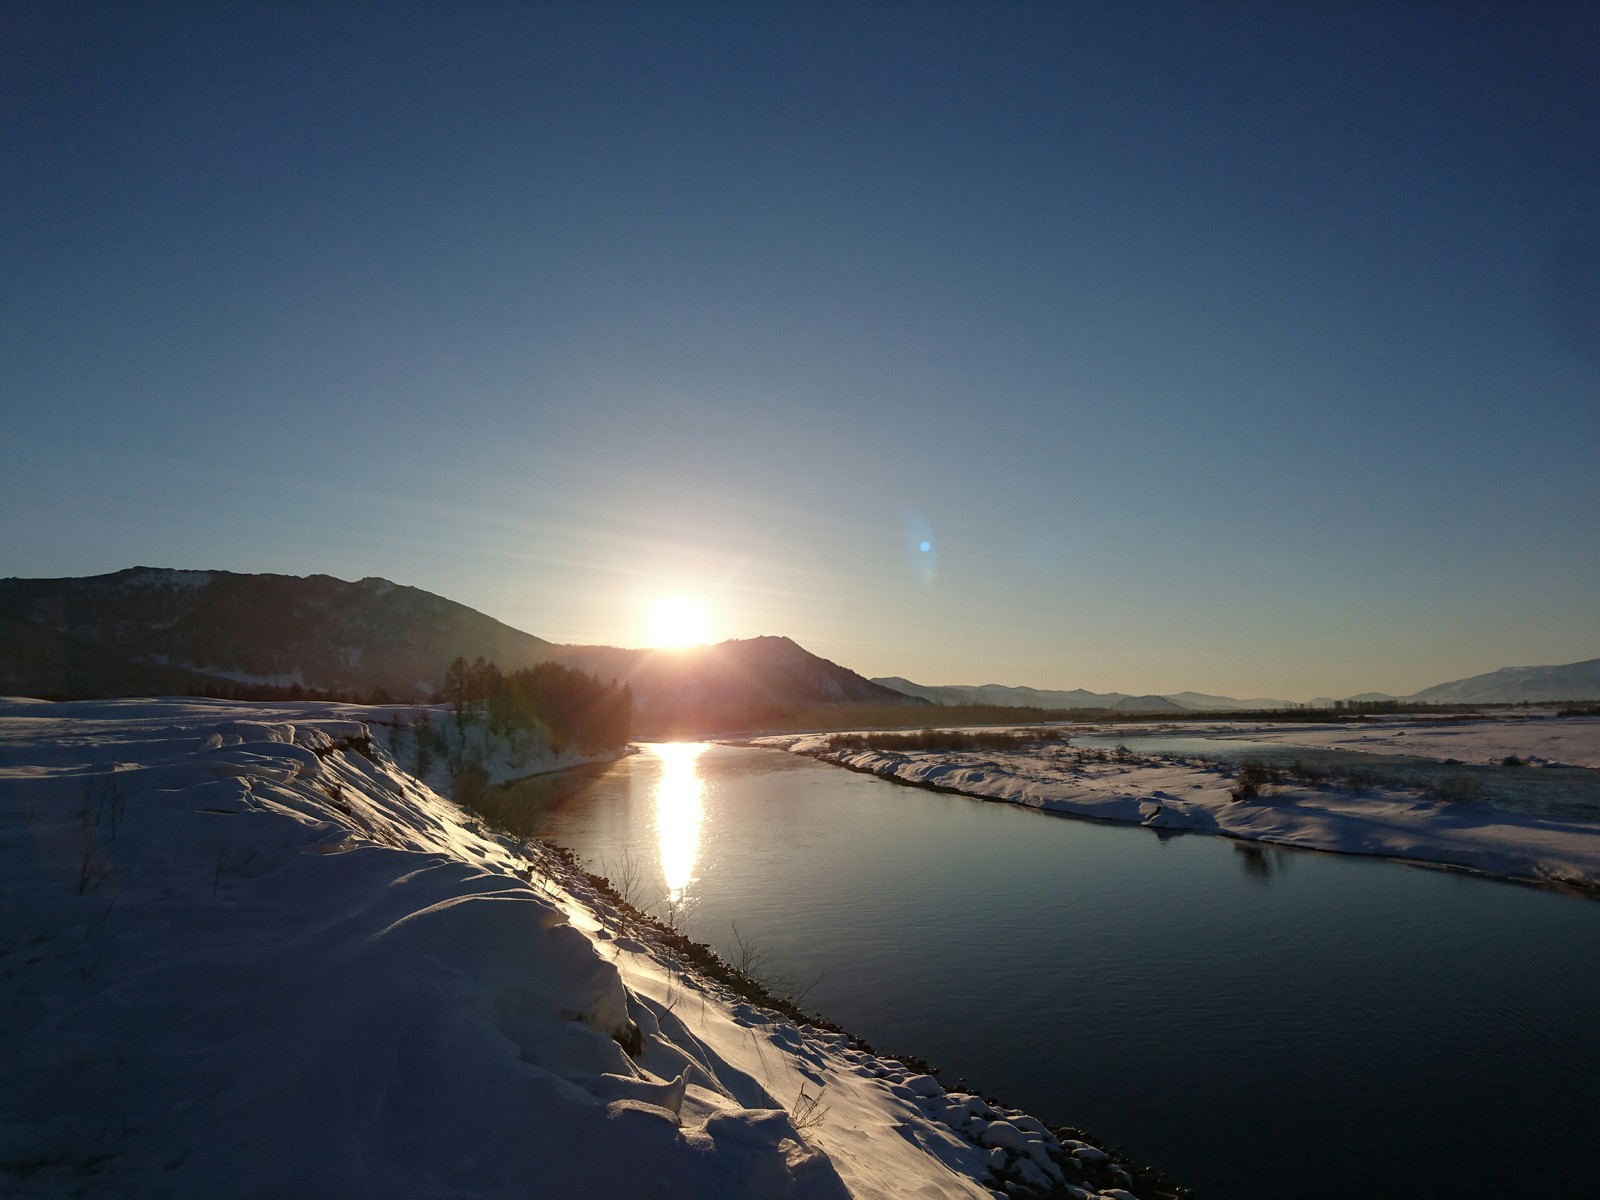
x=1512, y=685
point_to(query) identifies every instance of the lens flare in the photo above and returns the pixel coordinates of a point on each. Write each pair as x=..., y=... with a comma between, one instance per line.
x=922, y=549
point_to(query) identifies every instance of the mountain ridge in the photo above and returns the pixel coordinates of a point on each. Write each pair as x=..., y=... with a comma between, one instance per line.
x=158, y=630
x=261, y=629
x=1577, y=681
x=1027, y=697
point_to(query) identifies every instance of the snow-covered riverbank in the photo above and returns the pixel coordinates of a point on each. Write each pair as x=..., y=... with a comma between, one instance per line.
x=1193, y=796
x=244, y=953
x=1535, y=737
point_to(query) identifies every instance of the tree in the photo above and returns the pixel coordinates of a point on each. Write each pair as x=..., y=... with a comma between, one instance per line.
x=455, y=688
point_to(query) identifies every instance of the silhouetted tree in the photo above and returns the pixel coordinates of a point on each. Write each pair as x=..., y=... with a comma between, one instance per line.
x=456, y=680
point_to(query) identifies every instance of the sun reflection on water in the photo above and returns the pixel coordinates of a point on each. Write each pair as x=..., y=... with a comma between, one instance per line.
x=679, y=813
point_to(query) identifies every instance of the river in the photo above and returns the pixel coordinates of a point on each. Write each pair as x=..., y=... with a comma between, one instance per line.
x=1255, y=1022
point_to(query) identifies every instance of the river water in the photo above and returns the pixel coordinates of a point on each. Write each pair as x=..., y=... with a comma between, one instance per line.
x=1255, y=1022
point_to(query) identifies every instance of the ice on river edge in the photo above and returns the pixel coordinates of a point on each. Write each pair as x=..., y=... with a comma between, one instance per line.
x=244, y=953
x=1193, y=796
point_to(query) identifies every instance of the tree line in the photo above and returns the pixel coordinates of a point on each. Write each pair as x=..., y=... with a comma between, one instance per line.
x=575, y=710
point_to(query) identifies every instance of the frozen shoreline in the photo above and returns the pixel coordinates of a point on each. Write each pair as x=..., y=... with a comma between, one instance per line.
x=1391, y=822
x=245, y=953
x=1537, y=740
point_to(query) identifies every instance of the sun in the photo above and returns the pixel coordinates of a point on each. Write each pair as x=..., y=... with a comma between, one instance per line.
x=678, y=621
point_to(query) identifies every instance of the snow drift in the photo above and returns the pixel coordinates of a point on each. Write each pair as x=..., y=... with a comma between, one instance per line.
x=245, y=954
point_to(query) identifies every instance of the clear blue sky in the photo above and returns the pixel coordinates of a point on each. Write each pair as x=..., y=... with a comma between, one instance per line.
x=1246, y=348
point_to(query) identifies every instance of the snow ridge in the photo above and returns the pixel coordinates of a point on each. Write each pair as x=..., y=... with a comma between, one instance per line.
x=247, y=954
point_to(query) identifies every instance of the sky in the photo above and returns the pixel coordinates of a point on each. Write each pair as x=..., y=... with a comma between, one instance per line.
x=1245, y=348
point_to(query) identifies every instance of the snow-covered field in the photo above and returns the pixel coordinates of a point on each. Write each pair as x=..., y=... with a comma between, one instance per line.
x=245, y=954
x=1191, y=795
x=1538, y=740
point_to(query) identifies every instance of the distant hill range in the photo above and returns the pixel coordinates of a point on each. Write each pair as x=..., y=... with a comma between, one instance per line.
x=1578, y=681
x=1026, y=697
x=149, y=630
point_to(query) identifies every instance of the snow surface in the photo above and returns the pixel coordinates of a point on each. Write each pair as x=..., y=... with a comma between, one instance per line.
x=1194, y=796
x=244, y=953
x=1538, y=740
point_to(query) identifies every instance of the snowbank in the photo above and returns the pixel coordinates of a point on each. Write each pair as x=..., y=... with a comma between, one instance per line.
x=1174, y=794
x=245, y=954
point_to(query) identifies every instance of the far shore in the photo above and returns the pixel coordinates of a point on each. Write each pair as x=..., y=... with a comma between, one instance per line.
x=1183, y=794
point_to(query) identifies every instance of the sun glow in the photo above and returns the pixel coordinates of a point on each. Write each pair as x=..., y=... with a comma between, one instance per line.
x=679, y=814
x=678, y=621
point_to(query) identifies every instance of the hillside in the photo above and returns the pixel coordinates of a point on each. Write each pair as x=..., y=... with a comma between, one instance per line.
x=36, y=660
x=150, y=631
x=1202, y=702
x=1514, y=685
x=154, y=630
x=1149, y=704
x=727, y=683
